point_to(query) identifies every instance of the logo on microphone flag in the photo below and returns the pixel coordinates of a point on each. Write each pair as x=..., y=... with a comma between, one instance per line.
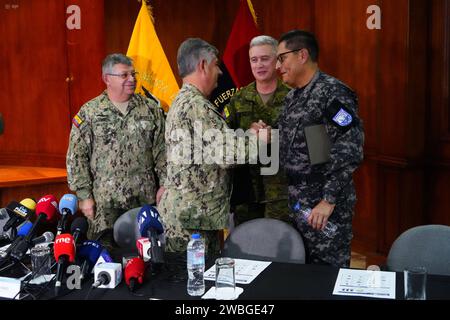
x=155, y=73
x=235, y=65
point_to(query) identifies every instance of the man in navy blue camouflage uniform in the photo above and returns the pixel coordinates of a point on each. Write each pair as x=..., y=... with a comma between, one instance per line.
x=327, y=188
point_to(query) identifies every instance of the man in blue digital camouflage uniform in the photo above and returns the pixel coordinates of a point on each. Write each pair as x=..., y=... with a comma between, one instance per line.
x=326, y=187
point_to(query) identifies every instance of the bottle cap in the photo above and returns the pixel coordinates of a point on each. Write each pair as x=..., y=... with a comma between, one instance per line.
x=195, y=236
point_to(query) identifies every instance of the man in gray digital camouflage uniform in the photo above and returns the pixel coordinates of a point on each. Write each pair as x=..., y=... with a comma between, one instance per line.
x=327, y=187
x=116, y=151
x=198, y=190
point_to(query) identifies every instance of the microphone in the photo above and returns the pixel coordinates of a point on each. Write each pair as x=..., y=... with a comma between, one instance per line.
x=45, y=237
x=151, y=227
x=19, y=212
x=79, y=227
x=134, y=272
x=22, y=231
x=148, y=218
x=107, y=275
x=46, y=209
x=64, y=252
x=89, y=252
x=68, y=205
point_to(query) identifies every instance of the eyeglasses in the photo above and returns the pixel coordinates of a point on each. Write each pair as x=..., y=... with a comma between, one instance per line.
x=124, y=76
x=281, y=56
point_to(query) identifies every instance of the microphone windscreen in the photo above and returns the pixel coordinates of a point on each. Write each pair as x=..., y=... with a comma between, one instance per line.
x=134, y=268
x=24, y=228
x=79, y=224
x=48, y=206
x=49, y=236
x=19, y=210
x=126, y=230
x=64, y=245
x=29, y=203
x=68, y=203
x=148, y=217
x=90, y=251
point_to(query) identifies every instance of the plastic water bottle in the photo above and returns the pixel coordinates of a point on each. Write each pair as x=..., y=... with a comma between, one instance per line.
x=196, y=265
x=303, y=213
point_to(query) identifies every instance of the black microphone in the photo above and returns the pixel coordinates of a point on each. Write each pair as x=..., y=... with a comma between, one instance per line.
x=46, y=210
x=79, y=227
x=21, y=233
x=157, y=252
x=18, y=212
x=103, y=278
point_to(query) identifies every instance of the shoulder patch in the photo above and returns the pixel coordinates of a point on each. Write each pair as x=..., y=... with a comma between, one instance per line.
x=343, y=118
x=226, y=112
x=340, y=116
x=77, y=121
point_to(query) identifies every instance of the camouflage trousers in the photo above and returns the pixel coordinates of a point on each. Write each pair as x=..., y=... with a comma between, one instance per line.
x=320, y=249
x=178, y=234
x=180, y=242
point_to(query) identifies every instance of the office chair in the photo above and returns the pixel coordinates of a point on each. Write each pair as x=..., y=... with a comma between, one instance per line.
x=126, y=229
x=265, y=239
x=427, y=246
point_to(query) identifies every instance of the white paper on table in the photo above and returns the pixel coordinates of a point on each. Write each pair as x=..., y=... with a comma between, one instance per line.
x=365, y=283
x=245, y=271
x=211, y=294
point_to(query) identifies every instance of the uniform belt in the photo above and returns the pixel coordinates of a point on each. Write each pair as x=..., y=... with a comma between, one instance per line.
x=298, y=178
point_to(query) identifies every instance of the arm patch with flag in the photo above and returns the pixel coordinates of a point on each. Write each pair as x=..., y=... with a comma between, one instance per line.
x=77, y=121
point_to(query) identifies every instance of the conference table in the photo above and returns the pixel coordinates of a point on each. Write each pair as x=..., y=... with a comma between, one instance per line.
x=279, y=281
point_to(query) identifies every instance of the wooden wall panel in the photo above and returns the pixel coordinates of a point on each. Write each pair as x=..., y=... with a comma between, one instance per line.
x=366, y=219
x=349, y=51
x=438, y=117
x=85, y=53
x=393, y=63
x=34, y=91
x=49, y=72
x=289, y=15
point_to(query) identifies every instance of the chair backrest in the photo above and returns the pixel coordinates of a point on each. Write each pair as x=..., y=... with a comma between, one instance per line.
x=427, y=246
x=126, y=229
x=265, y=239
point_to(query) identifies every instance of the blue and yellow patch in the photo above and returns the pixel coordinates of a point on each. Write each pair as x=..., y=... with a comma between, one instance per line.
x=77, y=121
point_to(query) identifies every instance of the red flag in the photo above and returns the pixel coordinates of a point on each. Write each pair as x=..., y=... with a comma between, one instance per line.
x=236, y=65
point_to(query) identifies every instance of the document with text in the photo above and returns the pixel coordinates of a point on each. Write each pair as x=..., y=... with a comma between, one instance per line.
x=365, y=283
x=245, y=270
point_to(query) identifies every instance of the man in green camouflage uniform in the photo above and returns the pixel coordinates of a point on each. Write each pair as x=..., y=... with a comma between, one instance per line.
x=116, y=149
x=197, y=190
x=260, y=102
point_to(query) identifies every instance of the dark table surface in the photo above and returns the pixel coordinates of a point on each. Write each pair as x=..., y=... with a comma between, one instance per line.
x=283, y=281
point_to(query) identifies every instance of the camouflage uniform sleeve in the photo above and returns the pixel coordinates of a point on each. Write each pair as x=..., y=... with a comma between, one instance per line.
x=159, y=146
x=78, y=157
x=346, y=153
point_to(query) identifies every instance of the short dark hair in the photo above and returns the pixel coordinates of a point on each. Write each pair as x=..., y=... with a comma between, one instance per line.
x=299, y=39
